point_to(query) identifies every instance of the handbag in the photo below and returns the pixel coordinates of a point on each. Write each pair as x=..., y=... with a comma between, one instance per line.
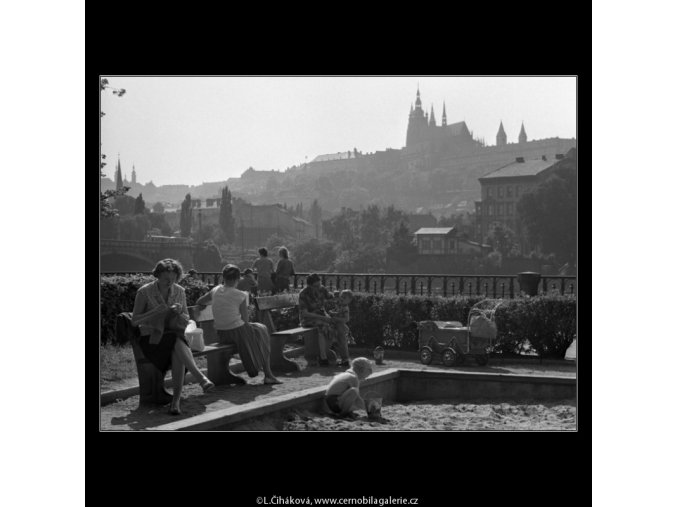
x=194, y=336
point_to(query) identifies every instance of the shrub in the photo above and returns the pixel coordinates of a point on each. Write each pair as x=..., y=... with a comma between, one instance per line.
x=545, y=324
x=118, y=293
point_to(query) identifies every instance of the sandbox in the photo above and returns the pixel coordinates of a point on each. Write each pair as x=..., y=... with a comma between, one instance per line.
x=413, y=400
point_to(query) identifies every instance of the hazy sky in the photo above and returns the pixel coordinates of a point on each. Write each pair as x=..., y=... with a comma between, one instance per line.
x=190, y=130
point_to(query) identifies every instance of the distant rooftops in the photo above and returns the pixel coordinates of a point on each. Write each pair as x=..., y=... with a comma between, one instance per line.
x=333, y=156
x=522, y=167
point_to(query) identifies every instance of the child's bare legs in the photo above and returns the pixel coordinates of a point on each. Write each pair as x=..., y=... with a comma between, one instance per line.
x=342, y=340
x=350, y=400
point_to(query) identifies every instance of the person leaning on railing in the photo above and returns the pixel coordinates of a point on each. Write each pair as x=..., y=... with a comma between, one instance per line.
x=284, y=271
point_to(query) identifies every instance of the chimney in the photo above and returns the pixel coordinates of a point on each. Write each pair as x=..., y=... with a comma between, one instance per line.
x=544, y=158
x=559, y=156
x=520, y=160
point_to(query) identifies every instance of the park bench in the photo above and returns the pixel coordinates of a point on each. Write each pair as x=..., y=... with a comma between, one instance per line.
x=151, y=380
x=278, y=339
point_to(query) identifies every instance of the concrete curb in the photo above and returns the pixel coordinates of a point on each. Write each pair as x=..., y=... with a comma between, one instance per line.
x=493, y=359
x=108, y=397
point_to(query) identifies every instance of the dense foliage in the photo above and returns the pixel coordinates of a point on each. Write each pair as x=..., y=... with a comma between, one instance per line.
x=544, y=324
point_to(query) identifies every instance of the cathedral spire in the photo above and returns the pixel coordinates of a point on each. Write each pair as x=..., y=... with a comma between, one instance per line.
x=133, y=174
x=444, y=114
x=523, y=134
x=432, y=116
x=118, y=175
x=501, y=138
x=418, y=98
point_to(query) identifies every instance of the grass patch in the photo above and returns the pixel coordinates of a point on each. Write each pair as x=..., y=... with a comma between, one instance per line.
x=117, y=363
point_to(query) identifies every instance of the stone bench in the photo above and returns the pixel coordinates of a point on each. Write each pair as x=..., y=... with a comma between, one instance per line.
x=278, y=362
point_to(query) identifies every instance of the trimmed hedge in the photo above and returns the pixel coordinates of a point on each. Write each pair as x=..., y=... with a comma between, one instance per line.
x=118, y=293
x=545, y=324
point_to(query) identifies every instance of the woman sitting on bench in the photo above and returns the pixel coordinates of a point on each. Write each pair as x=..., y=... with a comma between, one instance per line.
x=161, y=313
x=230, y=307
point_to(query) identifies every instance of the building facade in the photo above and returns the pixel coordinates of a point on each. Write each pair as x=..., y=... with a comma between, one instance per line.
x=503, y=188
x=445, y=241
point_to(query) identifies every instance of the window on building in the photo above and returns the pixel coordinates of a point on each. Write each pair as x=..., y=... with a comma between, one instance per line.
x=490, y=192
x=508, y=208
x=491, y=210
x=500, y=191
x=437, y=245
x=499, y=209
x=508, y=191
x=517, y=190
x=425, y=244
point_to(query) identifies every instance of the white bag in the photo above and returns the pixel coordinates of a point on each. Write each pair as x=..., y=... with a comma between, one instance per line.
x=571, y=351
x=194, y=337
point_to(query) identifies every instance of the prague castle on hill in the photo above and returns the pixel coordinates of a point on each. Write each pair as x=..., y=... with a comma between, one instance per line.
x=437, y=171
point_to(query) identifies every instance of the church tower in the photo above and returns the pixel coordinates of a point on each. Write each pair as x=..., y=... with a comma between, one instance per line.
x=501, y=138
x=523, y=135
x=444, y=114
x=133, y=175
x=118, y=175
x=418, y=123
x=432, y=123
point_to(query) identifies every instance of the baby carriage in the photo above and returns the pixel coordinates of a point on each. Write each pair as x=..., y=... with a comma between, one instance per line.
x=453, y=342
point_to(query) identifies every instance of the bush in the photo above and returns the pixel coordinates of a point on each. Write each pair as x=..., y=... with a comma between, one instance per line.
x=544, y=324
x=118, y=293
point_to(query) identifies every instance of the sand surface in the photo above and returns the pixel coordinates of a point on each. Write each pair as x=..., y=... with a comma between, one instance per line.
x=127, y=414
x=447, y=415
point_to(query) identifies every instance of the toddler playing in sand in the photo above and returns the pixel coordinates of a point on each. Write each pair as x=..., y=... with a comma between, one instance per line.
x=343, y=392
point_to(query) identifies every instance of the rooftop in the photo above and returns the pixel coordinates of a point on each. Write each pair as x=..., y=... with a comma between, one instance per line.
x=526, y=168
x=435, y=230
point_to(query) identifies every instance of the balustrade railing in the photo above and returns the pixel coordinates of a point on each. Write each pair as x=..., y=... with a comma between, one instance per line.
x=494, y=286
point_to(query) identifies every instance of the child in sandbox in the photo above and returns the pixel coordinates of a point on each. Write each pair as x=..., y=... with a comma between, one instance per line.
x=343, y=392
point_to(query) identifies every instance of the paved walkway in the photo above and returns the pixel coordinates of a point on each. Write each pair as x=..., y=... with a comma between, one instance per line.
x=128, y=415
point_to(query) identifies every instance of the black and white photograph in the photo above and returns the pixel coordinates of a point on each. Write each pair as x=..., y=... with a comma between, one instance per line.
x=338, y=253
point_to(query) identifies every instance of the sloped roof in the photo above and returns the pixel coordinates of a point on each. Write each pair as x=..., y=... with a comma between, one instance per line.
x=456, y=129
x=435, y=230
x=526, y=168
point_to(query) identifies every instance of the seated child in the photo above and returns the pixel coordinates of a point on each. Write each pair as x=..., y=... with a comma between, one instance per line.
x=343, y=392
x=248, y=282
x=340, y=316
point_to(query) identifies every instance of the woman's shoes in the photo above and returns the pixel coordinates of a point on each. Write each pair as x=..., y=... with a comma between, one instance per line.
x=206, y=385
x=271, y=381
x=174, y=408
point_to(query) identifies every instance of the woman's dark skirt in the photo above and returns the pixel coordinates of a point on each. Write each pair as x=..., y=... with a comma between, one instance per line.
x=160, y=354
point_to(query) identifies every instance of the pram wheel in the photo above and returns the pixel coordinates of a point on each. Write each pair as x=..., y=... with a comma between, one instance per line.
x=482, y=359
x=426, y=355
x=449, y=357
